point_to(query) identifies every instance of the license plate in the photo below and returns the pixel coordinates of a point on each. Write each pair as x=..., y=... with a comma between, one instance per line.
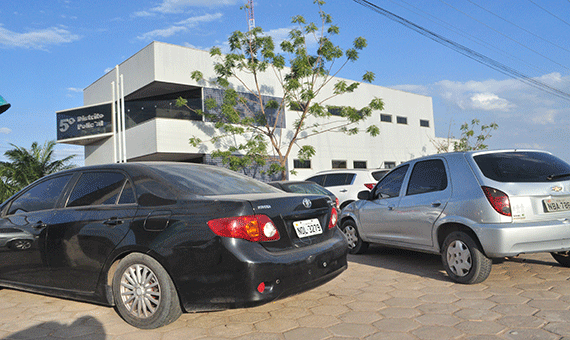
x=557, y=204
x=308, y=228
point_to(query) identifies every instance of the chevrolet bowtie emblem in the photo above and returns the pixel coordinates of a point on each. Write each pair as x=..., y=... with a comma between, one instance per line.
x=556, y=189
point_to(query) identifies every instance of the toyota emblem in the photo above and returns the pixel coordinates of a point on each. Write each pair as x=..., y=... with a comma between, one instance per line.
x=307, y=203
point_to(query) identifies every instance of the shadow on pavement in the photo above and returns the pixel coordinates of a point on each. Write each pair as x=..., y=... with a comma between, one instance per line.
x=85, y=327
x=405, y=261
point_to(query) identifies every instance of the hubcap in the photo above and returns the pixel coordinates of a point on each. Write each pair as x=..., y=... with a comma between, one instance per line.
x=459, y=258
x=140, y=291
x=351, y=236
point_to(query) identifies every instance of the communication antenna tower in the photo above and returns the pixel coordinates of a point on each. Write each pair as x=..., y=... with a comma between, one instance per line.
x=250, y=17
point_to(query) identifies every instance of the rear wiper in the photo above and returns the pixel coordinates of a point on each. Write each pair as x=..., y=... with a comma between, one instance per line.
x=552, y=177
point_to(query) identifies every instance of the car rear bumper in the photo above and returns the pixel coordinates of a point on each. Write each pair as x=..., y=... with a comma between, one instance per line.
x=500, y=240
x=235, y=281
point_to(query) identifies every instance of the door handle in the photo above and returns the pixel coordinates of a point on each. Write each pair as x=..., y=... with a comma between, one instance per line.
x=343, y=190
x=39, y=225
x=390, y=207
x=436, y=204
x=113, y=221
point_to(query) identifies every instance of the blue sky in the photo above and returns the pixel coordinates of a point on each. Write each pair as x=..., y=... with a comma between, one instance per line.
x=51, y=50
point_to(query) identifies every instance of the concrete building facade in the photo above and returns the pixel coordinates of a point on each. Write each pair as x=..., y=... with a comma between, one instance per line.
x=158, y=130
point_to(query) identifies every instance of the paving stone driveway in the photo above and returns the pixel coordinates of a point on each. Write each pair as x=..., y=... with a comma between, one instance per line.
x=385, y=294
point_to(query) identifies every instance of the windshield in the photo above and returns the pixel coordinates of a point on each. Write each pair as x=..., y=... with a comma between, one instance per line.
x=522, y=167
x=210, y=180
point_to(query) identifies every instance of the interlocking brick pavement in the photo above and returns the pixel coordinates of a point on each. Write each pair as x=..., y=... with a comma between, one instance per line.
x=384, y=294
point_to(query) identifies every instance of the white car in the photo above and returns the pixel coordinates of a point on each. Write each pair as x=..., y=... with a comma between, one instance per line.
x=347, y=183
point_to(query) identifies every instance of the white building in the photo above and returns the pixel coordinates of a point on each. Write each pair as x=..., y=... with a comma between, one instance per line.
x=157, y=130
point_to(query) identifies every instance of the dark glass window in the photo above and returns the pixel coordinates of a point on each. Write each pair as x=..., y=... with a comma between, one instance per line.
x=391, y=184
x=424, y=123
x=97, y=188
x=359, y=164
x=401, y=120
x=427, y=176
x=389, y=165
x=42, y=196
x=378, y=175
x=338, y=164
x=333, y=180
x=522, y=167
x=300, y=164
x=128, y=194
x=386, y=118
x=319, y=179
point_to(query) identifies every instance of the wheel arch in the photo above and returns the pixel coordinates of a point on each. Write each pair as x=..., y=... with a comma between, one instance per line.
x=447, y=228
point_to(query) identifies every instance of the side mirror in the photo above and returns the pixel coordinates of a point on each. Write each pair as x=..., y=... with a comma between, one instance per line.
x=364, y=195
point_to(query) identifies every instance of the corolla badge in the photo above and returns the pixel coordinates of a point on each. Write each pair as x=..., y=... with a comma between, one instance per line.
x=307, y=203
x=556, y=188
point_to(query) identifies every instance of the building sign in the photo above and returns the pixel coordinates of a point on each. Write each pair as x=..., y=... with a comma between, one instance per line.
x=87, y=121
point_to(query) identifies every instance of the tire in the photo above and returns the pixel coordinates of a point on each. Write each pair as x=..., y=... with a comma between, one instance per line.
x=355, y=243
x=562, y=257
x=144, y=293
x=463, y=259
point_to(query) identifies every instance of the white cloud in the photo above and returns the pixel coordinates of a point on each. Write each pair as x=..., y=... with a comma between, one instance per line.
x=5, y=130
x=181, y=26
x=38, y=39
x=178, y=6
x=490, y=102
x=74, y=89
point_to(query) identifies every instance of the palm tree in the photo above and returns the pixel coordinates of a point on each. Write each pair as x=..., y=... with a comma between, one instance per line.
x=26, y=166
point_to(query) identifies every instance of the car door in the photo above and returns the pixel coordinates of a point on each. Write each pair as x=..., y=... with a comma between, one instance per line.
x=379, y=216
x=23, y=230
x=340, y=185
x=95, y=218
x=426, y=195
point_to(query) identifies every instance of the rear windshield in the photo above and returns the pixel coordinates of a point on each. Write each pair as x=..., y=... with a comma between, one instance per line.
x=522, y=167
x=210, y=180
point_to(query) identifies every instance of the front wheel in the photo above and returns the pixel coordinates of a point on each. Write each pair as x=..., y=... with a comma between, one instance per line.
x=562, y=257
x=463, y=260
x=355, y=243
x=144, y=293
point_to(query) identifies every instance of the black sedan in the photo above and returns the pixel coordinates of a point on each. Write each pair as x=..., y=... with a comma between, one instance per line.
x=304, y=187
x=157, y=239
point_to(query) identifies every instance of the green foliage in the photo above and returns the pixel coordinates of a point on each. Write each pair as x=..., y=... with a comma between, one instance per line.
x=26, y=166
x=469, y=140
x=304, y=86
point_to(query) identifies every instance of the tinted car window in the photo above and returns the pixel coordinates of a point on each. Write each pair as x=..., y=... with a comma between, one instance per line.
x=320, y=179
x=379, y=174
x=40, y=197
x=521, y=166
x=96, y=188
x=333, y=180
x=427, y=176
x=306, y=188
x=391, y=184
x=211, y=181
x=128, y=194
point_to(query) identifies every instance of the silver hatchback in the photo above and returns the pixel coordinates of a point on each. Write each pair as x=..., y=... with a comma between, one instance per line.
x=470, y=207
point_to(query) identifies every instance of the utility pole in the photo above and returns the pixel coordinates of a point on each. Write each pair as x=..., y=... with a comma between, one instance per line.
x=250, y=17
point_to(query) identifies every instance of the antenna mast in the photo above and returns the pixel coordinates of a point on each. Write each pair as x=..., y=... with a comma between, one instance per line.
x=250, y=17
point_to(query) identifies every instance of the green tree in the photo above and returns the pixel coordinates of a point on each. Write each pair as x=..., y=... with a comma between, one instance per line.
x=26, y=166
x=470, y=140
x=310, y=73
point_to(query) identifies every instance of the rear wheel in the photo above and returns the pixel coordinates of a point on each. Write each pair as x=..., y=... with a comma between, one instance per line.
x=355, y=243
x=562, y=257
x=144, y=293
x=463, y=260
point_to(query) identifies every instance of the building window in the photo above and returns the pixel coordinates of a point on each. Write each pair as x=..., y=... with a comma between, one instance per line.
x=301, y=164
x=359, y=164
x=338, y=164
x=424, y=123
x=386, y=118
x=389, y=165
x=401, y=120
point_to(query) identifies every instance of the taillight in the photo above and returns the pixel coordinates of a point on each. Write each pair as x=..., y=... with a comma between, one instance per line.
x=370, y=186
x=499, y=200
x=334, y=218
x=337, y=202
x=255, y=228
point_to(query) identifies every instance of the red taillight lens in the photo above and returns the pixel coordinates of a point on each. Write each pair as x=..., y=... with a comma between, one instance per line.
x=337, y=202
x=370, y=186
x=334, y=218
x=255, y=228
x=499, y=200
